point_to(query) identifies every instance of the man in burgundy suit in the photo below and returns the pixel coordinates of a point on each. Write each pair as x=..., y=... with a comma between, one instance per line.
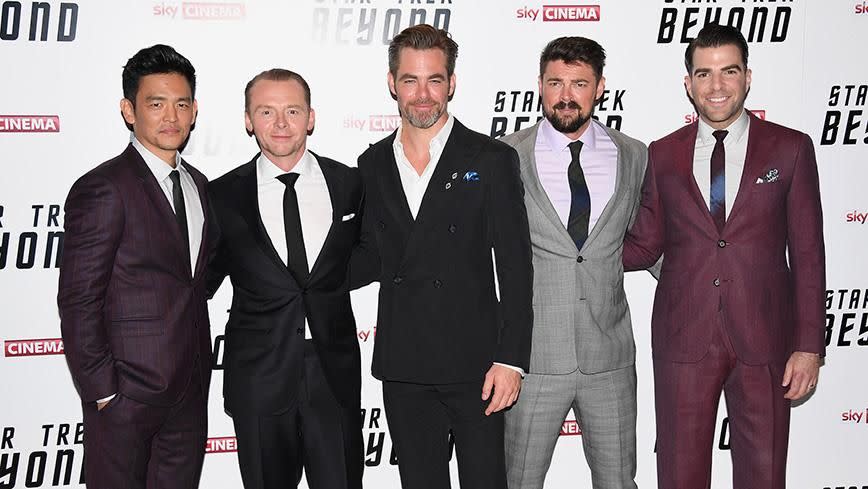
x=132, y=290
x=732, y=203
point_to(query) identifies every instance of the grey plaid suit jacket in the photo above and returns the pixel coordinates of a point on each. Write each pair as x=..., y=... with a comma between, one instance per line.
x=581, y=316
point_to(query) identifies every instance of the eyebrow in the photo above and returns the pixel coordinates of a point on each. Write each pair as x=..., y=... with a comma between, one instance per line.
x=162, y=97
x=410, y=76
x=725, y=68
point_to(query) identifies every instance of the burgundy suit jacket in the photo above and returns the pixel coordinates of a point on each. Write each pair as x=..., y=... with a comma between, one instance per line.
x=133, y=315
x=763, y=276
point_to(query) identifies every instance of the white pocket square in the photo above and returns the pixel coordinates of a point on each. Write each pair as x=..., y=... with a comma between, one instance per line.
x=348, y=217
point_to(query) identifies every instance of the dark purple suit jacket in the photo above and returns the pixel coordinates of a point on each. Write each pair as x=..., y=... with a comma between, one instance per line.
x=133, y=315
x=770, y=305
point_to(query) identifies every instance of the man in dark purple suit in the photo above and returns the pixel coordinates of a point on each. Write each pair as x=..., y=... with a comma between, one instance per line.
x=732, y=202
x=132, y=290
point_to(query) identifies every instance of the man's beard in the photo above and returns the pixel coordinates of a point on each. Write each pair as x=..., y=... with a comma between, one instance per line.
x=566, y=126
x=422, y=122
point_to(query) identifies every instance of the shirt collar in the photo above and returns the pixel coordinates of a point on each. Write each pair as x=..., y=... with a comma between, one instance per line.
x=266, y=170
x=158, y=167
x=737, y=129
x=558, y=141
x=438, y=141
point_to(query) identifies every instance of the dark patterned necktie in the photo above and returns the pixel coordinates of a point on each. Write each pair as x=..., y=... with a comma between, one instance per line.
x=717, y=200
x=296, y=258
x=180, y=207
x=580, y=204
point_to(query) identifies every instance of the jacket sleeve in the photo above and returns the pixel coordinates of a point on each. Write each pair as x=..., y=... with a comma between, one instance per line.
x=93, y=227
x=510, y=236
x=806, y=250
x=365, y=260
x=643, y=243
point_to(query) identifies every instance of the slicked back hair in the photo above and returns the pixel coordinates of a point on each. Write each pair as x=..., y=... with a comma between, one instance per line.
x=156, y=60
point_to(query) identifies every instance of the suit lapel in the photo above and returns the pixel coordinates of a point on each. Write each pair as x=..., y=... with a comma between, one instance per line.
x=201, y=255
x=527, y=152
x=248, y=207
x=621, y=173
x=161, y=204
x=756, y=142
x=390, y=184
x=335, y=184
x=685, y=167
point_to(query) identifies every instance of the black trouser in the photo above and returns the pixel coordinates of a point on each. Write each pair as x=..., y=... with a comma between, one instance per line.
x=316, y=434
x=420, y=417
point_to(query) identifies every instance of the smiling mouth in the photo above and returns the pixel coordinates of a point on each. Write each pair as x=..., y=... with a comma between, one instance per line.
x=717, y=100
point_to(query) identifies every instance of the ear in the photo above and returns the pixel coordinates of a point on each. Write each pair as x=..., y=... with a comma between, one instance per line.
x=452, y=85
x=688, y=85
x=747, y=75
x=391, y=81
x=539, y=84
x=311, y=120
x=128, y=111
x=195, y=111
x=601, y=86
x=248, y=124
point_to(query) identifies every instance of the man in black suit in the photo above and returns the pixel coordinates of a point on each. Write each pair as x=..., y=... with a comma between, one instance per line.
x=439, y=198
x=288, y=222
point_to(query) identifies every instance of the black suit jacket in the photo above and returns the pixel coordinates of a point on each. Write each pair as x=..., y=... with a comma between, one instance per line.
x=133, y=315
x=264, y=354
x=439, y=320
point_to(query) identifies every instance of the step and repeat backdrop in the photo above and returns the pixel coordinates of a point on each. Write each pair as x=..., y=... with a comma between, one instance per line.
x=60, y=69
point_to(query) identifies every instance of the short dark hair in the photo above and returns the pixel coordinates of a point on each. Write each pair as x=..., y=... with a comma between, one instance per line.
x=423, y=36
x=157, y=59
x=276, y=74
x=712, y=36
x=574, y=49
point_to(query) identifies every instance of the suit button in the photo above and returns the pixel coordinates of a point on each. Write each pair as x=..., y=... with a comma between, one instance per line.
x=438, y=284
x=721, y=244
x=580, y=259
x=452, y=228
x=397, y=280
x=299, y=331
x=381, y=225
x=716, y=282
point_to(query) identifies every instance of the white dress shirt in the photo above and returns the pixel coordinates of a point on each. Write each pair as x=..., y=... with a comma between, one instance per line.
x=195, y=216
x=414, y=184
x=735, y=147
x=314, y=207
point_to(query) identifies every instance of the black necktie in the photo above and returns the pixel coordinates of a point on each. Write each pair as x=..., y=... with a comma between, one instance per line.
x=580, y=205
x=180, y=207
x=296, y=259
x=717, y=195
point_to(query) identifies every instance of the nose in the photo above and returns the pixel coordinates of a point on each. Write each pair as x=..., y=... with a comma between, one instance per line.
x=716, y=81
x=171, y=113
x=281, y=119
x=422, y=91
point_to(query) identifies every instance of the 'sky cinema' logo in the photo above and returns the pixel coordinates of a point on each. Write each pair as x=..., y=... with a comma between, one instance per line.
x=862, y=8
x=373, y=122
x=855, y=416
x=845, y=122
x=200, y=10
x=680, y=23
x=356, y=22
x=571, y=428
x=223, y=444
x=37, y=20
x=560, y=13
x=693, y=116
x=857, y=217
x=29, y=123
x=30, y=348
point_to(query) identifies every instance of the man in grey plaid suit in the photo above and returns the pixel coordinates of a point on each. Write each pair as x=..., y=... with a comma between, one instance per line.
x=582, y=184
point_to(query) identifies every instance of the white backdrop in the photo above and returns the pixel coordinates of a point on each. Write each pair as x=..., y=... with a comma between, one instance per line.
x=59, y=91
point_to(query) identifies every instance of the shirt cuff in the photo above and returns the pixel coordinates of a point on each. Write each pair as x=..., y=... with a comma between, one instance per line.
x=109, y=398
x=517, y=369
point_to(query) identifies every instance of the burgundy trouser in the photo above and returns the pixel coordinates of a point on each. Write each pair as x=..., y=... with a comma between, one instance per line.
x=686, y=399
